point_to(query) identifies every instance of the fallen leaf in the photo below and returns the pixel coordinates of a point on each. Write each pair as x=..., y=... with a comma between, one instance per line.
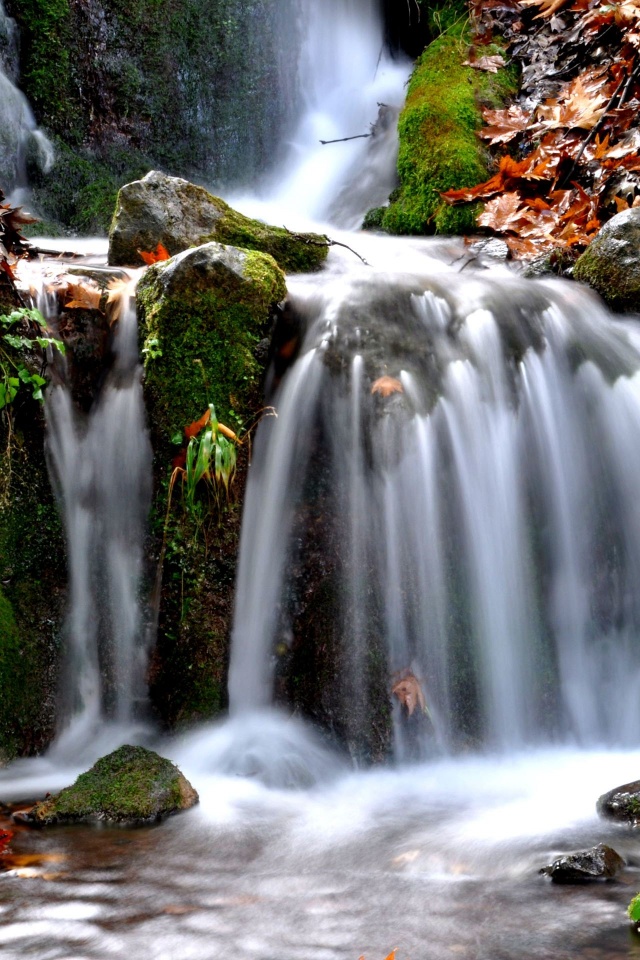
x=84, y=296
x=194, y=428
x=490, y=64
x=385, y=386
x=155, y=256
x=409, y=693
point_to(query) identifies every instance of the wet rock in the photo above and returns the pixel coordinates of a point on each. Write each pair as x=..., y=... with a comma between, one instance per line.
x=130, y=785
x=621, y=804
x=179, y=214
x=599, y=863
x=611, y=263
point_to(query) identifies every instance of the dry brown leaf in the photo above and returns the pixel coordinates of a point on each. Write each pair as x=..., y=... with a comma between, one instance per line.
x=84, y=296
x=409, y=693
x=580, y=107
x=547, y=7
x=155, y=256
x=490, y=64
x=385, y=386
x=504, y=125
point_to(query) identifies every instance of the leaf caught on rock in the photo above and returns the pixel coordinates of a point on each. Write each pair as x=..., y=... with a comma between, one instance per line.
x=82, y=296
x=386, y=385
x=410, y=694
x=155, y=256
x=491, y=64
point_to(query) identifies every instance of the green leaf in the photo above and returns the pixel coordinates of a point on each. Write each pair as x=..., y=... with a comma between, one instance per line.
x=634, y=909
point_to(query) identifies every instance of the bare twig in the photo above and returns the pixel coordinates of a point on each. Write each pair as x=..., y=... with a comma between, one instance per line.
x=326, y=242
x=358, y=136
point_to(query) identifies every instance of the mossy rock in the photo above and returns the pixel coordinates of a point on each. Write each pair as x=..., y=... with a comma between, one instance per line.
x=611, y=263
x=179, y=215
x=201, y=315
x=130, y=785
x=439, y=147
x=33, y=575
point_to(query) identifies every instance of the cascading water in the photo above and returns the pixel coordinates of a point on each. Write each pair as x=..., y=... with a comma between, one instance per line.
x=20, y=138
x=101, y=468
x=344, y=74
x=489, y=528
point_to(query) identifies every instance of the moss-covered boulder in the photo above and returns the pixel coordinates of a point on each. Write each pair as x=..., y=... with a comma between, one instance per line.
x=203, y=318
x=130, y=785
x=33, y=577
x=179, y=214
x=439, y=147
x=611, y=263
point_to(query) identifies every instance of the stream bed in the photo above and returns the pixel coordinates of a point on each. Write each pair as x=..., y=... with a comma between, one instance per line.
x=440, y=860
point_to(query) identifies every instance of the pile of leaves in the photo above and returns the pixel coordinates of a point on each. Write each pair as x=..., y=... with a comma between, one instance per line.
x=12, y=244
x=567, y=152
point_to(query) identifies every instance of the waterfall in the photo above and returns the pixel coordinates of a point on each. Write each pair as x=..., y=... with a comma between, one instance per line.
x=20, y=139
x=484, y=513
x=100, y=465
x=344, y=75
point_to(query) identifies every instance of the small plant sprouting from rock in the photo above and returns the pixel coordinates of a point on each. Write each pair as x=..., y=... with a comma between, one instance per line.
x=22, y=331
x=633, y=910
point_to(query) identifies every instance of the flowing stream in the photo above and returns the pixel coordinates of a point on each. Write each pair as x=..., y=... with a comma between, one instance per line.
x=471, y=443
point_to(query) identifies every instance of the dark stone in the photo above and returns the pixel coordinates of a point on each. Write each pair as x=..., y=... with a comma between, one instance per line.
x=621, y=804
x=611, y=263
x=599, y=863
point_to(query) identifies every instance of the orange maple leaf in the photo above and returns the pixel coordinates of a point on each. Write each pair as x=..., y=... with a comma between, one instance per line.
x=194, y=428
x=160, y=253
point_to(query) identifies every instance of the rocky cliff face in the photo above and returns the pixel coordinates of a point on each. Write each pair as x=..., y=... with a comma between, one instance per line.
x=188, y=87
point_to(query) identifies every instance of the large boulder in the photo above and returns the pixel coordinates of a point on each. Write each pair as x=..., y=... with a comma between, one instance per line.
x=621, y=804
x=599, y=863
x=130, y=785
x=611, y=263
x=179, y=214
x=204, y=316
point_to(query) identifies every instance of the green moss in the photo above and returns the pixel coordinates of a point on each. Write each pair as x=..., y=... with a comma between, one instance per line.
x=206, y=324
x=32, y=571
x=294, y=253
x=207, y=319
x=439, y=148
x=610, y=275
x=131, y=784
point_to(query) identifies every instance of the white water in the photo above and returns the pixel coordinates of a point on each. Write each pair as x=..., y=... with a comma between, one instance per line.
x=101, y=467
x=19, y=135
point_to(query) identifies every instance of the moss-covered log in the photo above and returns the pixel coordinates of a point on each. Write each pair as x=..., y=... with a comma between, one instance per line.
x=439, y=148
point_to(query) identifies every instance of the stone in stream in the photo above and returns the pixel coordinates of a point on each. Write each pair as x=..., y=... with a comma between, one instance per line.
x=611, y=263
x=179, y=215
x=621, y=804
x=131, y=785
x=598, y=863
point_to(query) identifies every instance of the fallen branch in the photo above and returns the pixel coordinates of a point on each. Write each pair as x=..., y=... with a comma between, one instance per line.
x=326, y=242
x=358, y=136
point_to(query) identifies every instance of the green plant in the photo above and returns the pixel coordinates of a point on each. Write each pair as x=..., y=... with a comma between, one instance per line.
x=22, y=331
x=633, y=909
x=211, y=456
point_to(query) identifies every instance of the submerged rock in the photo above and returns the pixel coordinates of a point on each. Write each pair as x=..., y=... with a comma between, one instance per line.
x=130, y=785
x=179, y=214
x=611, y=263
x=621, y=804
x=599, y=863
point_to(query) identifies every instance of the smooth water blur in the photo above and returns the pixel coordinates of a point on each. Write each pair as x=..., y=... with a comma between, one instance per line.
x=438, y=860
x=488, y=504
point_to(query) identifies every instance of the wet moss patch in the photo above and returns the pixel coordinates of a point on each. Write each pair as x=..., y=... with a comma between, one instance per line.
x=439, y=147
x=130, y=785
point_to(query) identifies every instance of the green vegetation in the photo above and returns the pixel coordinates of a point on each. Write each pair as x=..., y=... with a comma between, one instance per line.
x=633, y=909
x=131, y=784
x=202, y=316
x=439, y=147
x=14, y=371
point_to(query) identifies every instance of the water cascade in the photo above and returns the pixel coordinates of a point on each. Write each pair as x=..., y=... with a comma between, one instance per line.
x=21, y=141
x=100, y=464
x=479, y=507
x=344, y=75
